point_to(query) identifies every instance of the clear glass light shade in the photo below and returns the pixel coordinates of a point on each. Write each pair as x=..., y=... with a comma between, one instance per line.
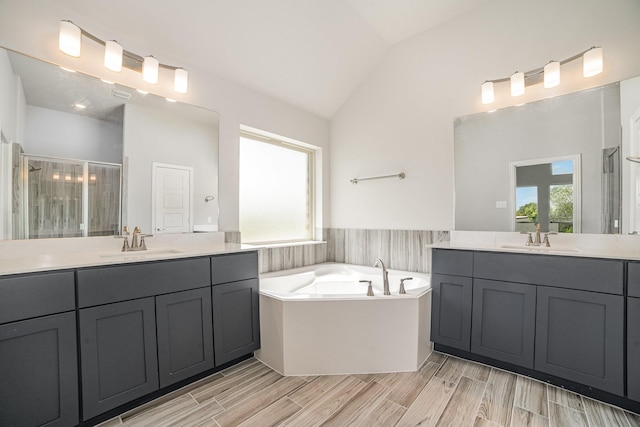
x=517, y=84
x=487, y=93
x=181, y=80
x=592, y=62
x=69, y=38
x=113, y=56
x=150, y=69
x=552, y=74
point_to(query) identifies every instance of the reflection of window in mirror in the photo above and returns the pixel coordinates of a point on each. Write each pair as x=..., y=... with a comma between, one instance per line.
x=545, y=193
x=527, y=208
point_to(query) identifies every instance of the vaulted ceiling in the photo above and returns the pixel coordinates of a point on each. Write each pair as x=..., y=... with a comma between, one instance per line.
x=310, y=53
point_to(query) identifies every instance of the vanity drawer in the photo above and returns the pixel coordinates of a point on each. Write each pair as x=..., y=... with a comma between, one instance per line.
x=234, y=267
x=589, y=274
x=33, y=295
x=633, y=279
x=452, y=262
x=104, y=285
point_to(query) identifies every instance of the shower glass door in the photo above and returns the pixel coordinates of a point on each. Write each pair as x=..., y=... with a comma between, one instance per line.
x=70, y=198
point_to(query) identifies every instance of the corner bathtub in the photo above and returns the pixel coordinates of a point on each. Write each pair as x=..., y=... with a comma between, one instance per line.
x=318, y=320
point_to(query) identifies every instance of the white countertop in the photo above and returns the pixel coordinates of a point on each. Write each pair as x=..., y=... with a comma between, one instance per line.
x=614, y=246
x=26, y=256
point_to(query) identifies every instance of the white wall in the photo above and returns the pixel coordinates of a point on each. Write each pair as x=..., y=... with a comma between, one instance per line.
x=401, y=116
x=629, y=110
x=159, y=136
x=71, y=136
x=31, y=27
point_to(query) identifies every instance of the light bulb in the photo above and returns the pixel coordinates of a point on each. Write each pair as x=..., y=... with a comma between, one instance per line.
x=113, y=56
x=180, y=81
x=517, y=84
x=69, y=38
x=150, y=69
x=552, y=74
x=487, y=93
x=592, y=62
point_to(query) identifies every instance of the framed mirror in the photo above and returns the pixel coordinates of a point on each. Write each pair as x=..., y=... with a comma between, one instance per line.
x=497, y=153
x=77, y=153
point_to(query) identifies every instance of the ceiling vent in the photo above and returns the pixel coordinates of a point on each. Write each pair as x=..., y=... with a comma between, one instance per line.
x=120, y=94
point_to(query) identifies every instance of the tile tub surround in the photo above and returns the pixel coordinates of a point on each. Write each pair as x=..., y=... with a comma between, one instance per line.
x=615, y=246
x=400, y=249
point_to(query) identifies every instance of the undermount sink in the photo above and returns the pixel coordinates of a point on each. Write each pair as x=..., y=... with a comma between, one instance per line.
x=140, y=254
x=540, y=249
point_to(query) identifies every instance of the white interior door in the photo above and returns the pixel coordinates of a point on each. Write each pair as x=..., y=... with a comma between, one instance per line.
x=172, y=210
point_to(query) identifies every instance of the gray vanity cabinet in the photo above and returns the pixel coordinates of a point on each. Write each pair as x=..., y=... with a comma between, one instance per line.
x=236, y=315
x=504, y=321
x=633, y=348
x=121, y=345
x=185, y=334
x=38, y=353
x=451, y=298
x=580, y=337
x=633, y=331
x=119, y=354
x=236, y=319
x=39, y=372
x=451, y=311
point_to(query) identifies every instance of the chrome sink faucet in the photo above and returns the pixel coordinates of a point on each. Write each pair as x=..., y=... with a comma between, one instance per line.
x=385, y=275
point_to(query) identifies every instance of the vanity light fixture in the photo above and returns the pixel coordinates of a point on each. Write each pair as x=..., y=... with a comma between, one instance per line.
x=116, y=57
x=592, y=65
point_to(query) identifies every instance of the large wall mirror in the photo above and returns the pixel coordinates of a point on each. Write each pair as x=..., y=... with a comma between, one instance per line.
x=82, y=156
x=558, y=162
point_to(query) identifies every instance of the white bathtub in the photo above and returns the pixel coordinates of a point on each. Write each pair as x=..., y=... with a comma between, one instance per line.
x=318, y=320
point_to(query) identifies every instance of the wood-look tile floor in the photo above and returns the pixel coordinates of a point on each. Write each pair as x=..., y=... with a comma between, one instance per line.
x=446, y=391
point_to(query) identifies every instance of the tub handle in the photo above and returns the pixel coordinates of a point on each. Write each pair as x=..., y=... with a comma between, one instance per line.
x=369, y=288
x=402, y=290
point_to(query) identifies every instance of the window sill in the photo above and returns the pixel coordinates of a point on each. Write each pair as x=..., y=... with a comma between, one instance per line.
x=284, y=244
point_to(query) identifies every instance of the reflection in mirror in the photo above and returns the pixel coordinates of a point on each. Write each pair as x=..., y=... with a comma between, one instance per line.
x=487, y=145
x=57, y=124
x=547, y=193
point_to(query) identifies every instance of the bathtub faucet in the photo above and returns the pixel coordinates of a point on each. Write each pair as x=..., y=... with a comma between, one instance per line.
x=385, y=275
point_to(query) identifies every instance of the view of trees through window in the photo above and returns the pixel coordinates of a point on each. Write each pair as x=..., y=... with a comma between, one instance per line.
x=560, y=206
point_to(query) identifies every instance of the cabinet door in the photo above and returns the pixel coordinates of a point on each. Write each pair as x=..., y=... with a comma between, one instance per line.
x=236, y=320
x=185, y=334
x=633, y=348
x=579, y=337
x=451, y=311
x=504, y=321
x=39, y=372
x=118, y=354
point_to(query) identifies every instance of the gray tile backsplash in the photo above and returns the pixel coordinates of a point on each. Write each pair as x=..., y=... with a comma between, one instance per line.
x=399, y=249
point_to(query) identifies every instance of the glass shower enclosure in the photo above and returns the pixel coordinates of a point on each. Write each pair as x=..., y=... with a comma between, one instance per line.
x=70, y=198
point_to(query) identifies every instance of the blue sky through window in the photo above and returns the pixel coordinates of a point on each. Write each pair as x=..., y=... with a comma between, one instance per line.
x=526, y=195
x=562, y=167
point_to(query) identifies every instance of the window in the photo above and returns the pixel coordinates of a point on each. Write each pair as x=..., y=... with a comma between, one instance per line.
x=276, y=190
